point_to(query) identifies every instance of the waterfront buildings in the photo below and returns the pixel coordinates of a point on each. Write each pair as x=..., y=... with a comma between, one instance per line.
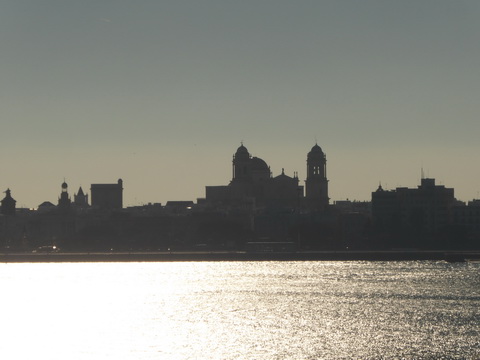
x=419, y=218
x=254, y=186
x=254, y=206
x=427, y=208
x=466, y=218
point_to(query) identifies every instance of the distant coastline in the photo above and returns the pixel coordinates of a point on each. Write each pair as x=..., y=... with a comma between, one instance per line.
x=393, y=255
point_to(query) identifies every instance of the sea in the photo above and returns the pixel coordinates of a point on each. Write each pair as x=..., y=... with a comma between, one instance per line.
x=240, y=310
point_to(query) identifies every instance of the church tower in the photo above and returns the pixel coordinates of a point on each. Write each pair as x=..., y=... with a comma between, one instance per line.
x=241, y=164
x=64, y=200
x=8, y=204
x=80, y=199
x=316, y=185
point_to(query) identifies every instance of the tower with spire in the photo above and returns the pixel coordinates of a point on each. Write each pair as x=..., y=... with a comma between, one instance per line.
x=80, y=199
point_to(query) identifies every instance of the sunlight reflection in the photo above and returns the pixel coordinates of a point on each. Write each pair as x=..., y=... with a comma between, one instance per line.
x=232, y=310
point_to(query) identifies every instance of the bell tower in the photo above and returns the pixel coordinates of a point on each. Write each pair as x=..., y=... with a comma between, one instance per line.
x=316, y=185
x=241, y=164
x=64, y=200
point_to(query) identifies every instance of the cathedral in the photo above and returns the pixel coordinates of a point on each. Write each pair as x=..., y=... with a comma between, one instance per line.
x=253, y=185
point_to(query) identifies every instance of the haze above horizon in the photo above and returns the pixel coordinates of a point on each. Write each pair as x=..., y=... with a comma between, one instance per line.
x=161, y=94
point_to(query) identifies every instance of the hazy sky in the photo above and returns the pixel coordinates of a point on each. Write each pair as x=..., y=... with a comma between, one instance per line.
x=161, y=93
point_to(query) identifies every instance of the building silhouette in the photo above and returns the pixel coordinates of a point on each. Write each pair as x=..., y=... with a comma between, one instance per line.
x=466, y=221
x=468, y=216
x=107, y=196
x=424, y=210
x=316, y=185
x=253, y=186
x=8, y=204
x=254, y=207
x=64, y=200
x=80, y=199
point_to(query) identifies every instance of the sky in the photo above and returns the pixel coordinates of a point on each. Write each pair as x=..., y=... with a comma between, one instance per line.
x=162, y=93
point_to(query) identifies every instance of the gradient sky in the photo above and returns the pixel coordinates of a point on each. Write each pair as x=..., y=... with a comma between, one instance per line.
x=161, y=93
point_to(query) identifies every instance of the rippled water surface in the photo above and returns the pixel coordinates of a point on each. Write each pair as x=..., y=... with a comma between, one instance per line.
x=240, y=310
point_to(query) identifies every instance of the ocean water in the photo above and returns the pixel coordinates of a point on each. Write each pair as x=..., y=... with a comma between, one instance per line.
x=240, y=310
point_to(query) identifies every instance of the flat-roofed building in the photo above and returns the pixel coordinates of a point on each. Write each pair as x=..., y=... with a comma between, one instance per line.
x=428, y=208
x=468, y=216
x=107, y=196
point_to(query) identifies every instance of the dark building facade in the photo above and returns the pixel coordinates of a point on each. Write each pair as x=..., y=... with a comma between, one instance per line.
x=426, y=210
x=468, y=216
x=107, y=196
x=466, y=219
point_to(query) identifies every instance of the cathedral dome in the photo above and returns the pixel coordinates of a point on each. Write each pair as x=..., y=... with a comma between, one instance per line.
x=259, y=165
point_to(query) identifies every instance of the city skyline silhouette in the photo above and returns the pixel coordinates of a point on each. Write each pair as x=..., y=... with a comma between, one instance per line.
x=21, y=184
x=161, y=93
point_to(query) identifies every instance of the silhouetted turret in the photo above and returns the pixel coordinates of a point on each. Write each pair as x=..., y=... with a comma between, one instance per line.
x=8, y=204
x=64, y=200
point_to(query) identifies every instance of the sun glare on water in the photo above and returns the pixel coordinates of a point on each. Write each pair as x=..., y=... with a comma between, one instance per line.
x=262, y=310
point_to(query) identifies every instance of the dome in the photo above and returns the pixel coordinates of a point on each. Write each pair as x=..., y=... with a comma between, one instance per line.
x=242, y=153
x=259, y=165
x=316, y=149
x=64, y=185
x=316, y=153
x=242, y=150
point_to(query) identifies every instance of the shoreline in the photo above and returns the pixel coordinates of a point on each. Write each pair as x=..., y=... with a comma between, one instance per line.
x=394, y=255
